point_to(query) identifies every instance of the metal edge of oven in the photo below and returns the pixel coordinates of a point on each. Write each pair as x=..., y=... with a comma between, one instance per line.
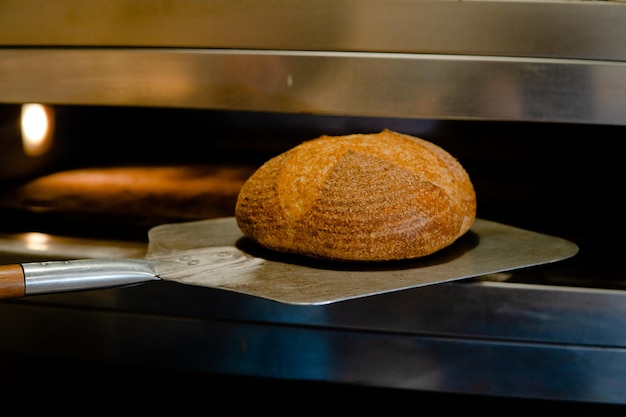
x=509, y=340
x=562, y=61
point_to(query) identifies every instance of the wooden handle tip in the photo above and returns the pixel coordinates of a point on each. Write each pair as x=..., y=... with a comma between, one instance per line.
x=12, y=283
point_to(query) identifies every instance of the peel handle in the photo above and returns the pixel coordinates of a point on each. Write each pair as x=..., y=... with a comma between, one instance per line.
x=19, y=280
x=12, y=281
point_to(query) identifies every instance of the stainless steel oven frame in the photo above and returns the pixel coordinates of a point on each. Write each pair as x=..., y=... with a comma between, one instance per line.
x=501, y=61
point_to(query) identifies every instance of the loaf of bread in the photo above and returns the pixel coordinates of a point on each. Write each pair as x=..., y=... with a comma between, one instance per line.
x=362, y=197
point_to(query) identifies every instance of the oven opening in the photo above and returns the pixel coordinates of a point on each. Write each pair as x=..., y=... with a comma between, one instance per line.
x=108, y=174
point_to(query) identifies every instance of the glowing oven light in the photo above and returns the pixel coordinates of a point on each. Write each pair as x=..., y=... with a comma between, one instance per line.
x=37, y=123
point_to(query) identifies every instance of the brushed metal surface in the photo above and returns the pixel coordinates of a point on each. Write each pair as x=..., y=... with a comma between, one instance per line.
x=336, y=83
x=558, y=29
x=554, y=61
x=83, y=274
x=478, y=343
x=214, y=253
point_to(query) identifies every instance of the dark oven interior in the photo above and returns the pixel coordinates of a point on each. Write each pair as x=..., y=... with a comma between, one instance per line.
x=115, y=172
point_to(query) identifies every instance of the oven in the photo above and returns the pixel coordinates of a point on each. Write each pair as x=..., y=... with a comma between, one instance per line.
x=157, y=112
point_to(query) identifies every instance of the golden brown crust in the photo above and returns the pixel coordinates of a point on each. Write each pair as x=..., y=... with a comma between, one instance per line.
x=362, y=197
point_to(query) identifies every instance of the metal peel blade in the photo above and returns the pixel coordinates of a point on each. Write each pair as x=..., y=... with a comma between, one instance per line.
x=214, y=253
